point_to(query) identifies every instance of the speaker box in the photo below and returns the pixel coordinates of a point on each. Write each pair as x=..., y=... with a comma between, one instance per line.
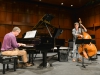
x=63, y=55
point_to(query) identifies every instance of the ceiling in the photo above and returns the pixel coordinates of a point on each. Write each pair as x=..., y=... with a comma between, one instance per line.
x=66, y=3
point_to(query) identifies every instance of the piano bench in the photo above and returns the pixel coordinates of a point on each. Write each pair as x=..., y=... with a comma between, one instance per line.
x=6, y=60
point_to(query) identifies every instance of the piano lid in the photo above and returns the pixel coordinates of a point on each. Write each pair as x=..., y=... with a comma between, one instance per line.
x=44, y=27
x=48, y=17
x=44, y=20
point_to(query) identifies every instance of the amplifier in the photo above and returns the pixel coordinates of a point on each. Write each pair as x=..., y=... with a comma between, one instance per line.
x=63, y=55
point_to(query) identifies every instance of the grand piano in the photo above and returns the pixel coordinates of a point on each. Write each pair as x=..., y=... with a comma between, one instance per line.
x=43, y=41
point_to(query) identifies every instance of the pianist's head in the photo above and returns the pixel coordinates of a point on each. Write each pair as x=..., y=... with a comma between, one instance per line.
x=16, y=31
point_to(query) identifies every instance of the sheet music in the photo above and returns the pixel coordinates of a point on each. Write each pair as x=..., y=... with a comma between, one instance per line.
x=30, y=34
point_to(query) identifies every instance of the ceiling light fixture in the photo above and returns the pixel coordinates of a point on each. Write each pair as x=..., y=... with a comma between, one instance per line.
x=71, y=5
x=39, y=0
x=62, y=3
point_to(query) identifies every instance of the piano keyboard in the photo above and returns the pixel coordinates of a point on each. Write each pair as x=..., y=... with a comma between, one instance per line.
x=28, y=46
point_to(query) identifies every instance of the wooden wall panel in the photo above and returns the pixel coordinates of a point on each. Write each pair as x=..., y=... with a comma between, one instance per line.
x=1, y=39
x=49, y=10
x=41, y=11
x=87, y=22
x=55, y=22
x=8, y=16
x=98, y=44
x=8, y=28
x=90, y=31
x=91, y=21
x=35, y=19
x=66, y=22
x=35, y=10
x=2, y=16
x=15, y=17
x=2, y=6
x=67, y=34
x=97, y=10
x=97, y=32
x=15, y=8
x=64, y=36
x=2, y=30
x=22, y=8
x=9, y=7
x=70, y=23
x=61, y=22
x=22, y=18
x=61, y=36
x=28, y=18
x=92, y=12
x=97, y=19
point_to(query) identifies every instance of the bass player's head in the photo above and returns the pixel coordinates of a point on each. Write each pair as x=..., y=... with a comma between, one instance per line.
x=76, y=25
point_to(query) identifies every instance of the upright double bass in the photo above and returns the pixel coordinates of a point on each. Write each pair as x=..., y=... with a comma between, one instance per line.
x=86, y=50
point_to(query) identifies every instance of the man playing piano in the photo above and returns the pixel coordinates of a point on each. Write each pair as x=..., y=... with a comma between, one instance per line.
x=10, y=46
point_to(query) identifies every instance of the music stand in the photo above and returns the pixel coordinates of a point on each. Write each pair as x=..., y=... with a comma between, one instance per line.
x=83, y=41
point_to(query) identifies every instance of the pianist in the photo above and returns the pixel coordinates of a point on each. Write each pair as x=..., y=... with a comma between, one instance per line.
x=10, y=46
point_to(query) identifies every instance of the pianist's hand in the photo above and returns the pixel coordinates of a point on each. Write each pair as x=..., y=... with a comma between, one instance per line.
x=21, y=44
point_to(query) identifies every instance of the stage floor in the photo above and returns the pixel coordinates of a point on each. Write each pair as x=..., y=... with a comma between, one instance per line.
x=58, y=68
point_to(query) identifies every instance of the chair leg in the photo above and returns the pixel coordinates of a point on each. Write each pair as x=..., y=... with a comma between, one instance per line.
x=7, y=67
x=15, y=61
x=67, y=55
x=3, y=68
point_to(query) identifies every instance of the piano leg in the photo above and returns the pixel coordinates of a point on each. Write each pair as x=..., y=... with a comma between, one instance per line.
x=44, y=59
x=58, y=51
x=31, y=58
